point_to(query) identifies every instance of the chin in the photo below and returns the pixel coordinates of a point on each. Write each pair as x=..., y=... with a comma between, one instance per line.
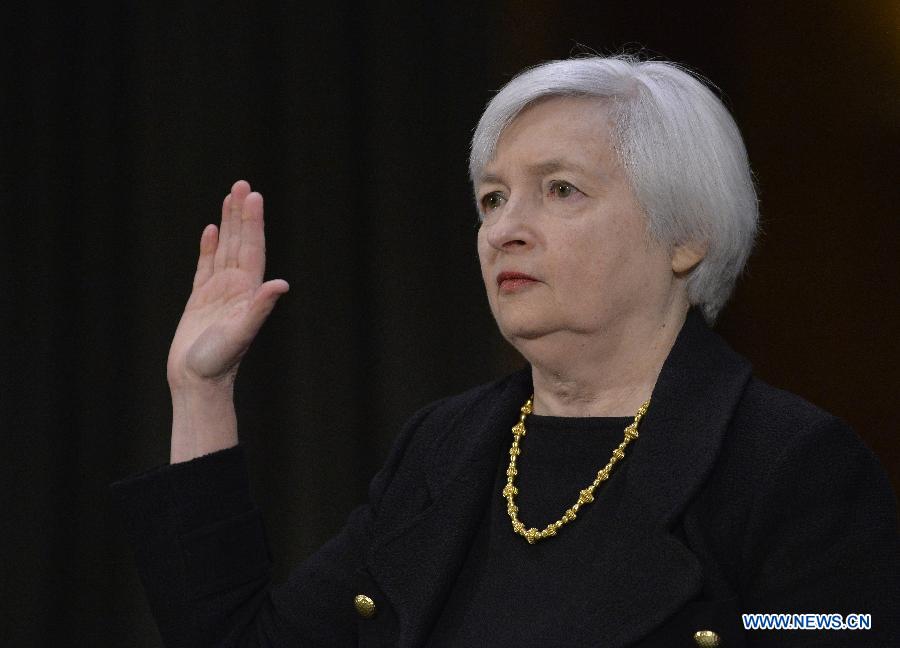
x=523, y=330
x=524, y=322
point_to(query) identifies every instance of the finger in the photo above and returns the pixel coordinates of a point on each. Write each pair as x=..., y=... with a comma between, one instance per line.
x=264, y=301
x=239, y=193
x=208, y=243
x=252, y=254
x=226, y=230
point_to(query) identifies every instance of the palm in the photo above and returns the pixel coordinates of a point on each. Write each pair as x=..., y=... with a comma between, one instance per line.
x=229, y=301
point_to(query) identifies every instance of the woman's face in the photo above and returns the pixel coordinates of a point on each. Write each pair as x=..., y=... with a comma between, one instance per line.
x=563, y=244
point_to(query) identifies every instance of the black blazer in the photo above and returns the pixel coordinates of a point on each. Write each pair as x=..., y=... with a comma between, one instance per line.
x=736, y=498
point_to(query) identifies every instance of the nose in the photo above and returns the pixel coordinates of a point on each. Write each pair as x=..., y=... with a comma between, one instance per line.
x=511, y=227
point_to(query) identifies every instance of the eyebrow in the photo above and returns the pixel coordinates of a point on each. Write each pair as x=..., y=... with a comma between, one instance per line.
x=539, y=169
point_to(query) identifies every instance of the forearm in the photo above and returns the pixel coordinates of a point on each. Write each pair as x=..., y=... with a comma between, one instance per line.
x=201, y=552
x=203, y=421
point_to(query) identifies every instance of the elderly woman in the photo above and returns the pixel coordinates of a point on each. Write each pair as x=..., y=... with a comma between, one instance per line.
x=633, y=485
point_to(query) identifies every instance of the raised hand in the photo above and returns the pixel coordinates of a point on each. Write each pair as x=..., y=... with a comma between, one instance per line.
x=226, y=309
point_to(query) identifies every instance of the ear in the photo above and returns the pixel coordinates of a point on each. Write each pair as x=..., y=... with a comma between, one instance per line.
x=687, y=255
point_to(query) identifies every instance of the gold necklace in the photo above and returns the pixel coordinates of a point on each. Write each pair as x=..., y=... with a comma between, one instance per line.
x=584, y=497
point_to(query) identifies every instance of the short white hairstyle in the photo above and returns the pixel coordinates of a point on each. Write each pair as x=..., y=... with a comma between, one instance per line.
x=679, y=146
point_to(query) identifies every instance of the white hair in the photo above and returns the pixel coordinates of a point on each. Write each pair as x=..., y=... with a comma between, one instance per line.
x=680, y=148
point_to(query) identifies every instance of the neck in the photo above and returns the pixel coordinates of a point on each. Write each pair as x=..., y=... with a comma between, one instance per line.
x=608, y=374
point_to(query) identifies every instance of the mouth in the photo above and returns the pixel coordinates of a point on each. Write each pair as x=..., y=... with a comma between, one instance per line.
x=514, y=281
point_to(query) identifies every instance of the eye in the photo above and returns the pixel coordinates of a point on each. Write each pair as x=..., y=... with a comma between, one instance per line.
x=562, y=189
x=490, y=202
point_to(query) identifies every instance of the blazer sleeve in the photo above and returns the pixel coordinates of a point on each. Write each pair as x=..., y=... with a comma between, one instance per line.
x=202, y=556
x=822, y=538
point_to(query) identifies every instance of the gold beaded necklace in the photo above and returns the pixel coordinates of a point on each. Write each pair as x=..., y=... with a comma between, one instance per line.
x=584, y=497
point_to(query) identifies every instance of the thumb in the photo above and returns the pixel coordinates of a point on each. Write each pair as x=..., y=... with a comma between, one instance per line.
x=264, y=301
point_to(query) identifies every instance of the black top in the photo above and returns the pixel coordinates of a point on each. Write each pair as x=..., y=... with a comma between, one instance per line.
x=737, y=497
x=505, y=575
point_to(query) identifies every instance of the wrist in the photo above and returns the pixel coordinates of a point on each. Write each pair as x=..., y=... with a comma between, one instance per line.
x=203, y=421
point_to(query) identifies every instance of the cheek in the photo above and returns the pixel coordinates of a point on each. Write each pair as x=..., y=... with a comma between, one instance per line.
x=484, y=254
x=599, y=261
x=585, y=253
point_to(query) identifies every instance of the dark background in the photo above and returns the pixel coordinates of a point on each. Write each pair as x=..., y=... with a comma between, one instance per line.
x=124, y=124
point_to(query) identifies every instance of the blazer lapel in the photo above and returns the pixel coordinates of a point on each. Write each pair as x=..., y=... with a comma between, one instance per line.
x=416, y=567
x=642, y=573
x=639, y=573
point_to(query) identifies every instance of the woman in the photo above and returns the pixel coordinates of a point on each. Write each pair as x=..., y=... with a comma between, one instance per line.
x=634, y=485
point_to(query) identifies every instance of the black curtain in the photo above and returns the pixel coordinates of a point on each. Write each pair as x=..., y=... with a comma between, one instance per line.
x=124, y=124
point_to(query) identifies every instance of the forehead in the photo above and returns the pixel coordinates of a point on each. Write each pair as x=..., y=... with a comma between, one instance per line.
x=576, y=129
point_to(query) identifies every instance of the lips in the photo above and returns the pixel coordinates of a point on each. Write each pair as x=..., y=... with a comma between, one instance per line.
x=510, y=281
